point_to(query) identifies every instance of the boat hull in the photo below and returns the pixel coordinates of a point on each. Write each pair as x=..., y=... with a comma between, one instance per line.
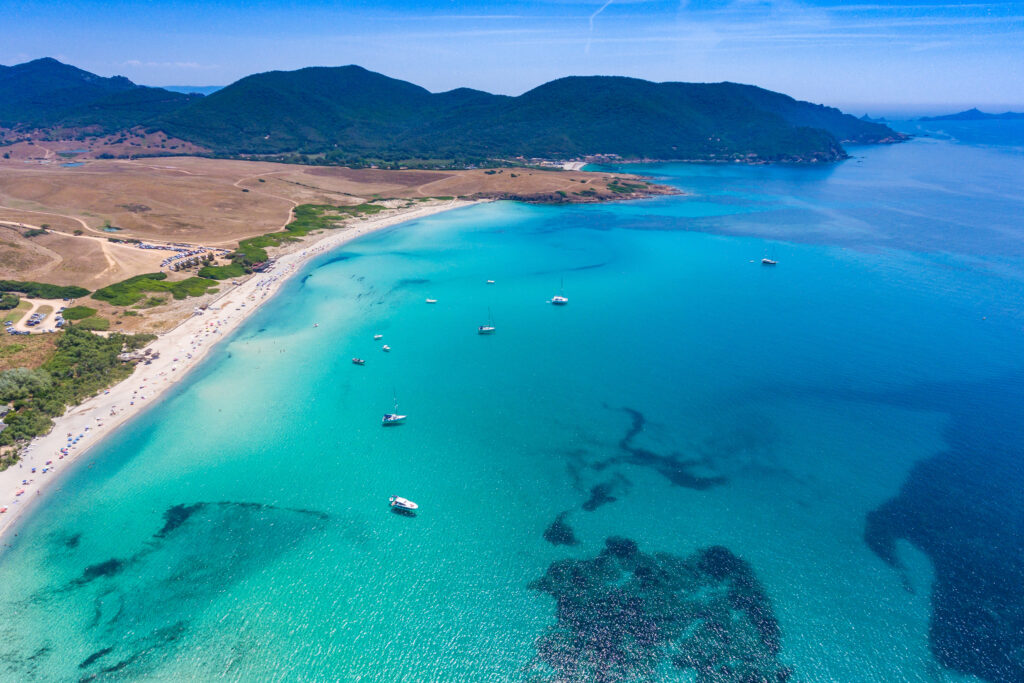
x=400, y=503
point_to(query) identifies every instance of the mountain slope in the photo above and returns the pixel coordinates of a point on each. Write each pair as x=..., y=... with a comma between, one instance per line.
x=351, y=115
x=312, y=109
x=45, y=93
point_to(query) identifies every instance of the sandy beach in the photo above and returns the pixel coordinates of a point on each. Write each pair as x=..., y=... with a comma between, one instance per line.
x=46, y=459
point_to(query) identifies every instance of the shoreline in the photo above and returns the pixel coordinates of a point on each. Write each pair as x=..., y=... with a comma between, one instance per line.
x=181, y=349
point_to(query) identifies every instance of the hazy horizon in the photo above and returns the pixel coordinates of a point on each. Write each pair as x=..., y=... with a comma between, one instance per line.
x=910, y=55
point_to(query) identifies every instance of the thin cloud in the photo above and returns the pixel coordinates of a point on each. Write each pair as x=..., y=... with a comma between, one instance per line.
x=593, y=16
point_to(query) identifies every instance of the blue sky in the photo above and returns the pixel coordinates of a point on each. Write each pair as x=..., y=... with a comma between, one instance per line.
x=866, y=55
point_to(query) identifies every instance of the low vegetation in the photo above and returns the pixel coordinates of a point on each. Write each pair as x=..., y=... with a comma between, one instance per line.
x=17, y=313
x=42, y=290
x=81, y=365
x=132, y=290
x=622, y=187
x=151, y=302
x=94, y=323
x=307, y=218
x=8, y=301
x=25, y=351
x=222, y=272
x=78, y=312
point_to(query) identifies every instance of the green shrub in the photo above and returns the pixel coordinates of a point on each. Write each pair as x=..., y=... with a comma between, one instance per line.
x=151, y=302
x=78, y=312
x=93, y=323
x=82, y=364
x=307, y=218
x=42, y=290
x=222, y=272
x=8, y=301
x=130, y=291
x=22, y=383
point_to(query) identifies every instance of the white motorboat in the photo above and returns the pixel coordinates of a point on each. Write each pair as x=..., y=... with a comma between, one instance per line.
x=378, y=336
x=431, y=301
x=385, y=348
x=359, y=361
x=768, y=262
x=490, y=282
x=402, y=503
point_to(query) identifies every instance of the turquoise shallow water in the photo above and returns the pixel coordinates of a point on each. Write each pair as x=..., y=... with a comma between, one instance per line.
x=758, y=433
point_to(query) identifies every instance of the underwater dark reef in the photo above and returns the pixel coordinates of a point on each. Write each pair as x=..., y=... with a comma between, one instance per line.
x=626, y=615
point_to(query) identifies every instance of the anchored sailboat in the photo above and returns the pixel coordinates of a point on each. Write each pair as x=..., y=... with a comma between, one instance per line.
x=394, y=418
x=561, y=299
x=489, y=327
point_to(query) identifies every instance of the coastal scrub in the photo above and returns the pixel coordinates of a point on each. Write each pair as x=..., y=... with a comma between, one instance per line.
x=81, y=365
x=132, y=290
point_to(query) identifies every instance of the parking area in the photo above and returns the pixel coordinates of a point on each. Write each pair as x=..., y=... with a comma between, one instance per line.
x=44, y=316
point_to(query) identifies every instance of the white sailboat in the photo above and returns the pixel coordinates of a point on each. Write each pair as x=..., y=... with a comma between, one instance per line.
x=489, y=327
x=561, y=299
x=394, y=418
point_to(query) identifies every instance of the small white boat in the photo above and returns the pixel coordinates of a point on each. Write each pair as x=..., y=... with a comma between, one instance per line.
x=768, y=262
x=431, y=301
x=359, y=361
x=490, y=282
x=385, y=348
x=378, y=336
x=402, y=503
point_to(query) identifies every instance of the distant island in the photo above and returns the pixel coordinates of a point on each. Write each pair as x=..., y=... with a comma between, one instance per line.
x=975, y=115
x=351, y=116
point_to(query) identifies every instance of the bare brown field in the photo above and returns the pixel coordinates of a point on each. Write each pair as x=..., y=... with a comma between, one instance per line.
x=25, y=351
x=35, y=146
x=210, y=202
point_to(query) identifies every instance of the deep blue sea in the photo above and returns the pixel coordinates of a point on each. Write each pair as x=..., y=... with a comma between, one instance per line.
x=701, y=469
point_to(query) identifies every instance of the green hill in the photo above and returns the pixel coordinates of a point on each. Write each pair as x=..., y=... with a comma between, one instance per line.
x=350, y=115
x=45, y=93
